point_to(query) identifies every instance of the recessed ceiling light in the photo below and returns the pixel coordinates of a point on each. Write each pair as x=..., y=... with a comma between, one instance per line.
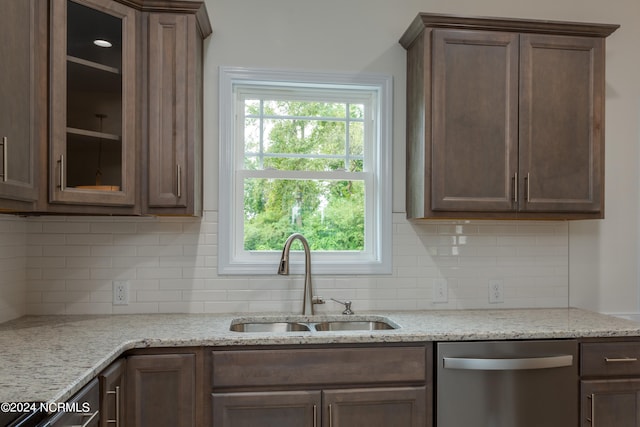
x=102, y=43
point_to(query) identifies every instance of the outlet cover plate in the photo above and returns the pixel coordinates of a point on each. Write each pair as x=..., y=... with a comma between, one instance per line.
x=120, y=292
x=440, y=290
x=496, y=291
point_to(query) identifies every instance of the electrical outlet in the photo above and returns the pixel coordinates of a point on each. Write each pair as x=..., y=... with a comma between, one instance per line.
x=496, y=291
x=120, y=292
x=440, y=290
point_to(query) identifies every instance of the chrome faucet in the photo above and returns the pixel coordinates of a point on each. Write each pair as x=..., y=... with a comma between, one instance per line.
x=283, y=269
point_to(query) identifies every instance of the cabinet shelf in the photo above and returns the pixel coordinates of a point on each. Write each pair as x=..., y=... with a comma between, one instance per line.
x=92, y=64
x=93, y=134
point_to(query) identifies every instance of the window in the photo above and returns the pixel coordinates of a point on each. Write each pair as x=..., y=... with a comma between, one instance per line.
x=307, y=153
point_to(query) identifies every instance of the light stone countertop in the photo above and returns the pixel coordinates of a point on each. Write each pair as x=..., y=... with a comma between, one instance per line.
x=49, y=358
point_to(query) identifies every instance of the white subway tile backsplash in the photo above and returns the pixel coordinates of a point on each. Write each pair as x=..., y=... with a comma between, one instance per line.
x=65, y=265
x=66, y=227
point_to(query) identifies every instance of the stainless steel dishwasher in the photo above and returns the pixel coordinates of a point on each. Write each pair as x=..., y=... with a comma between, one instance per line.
x=507, y=384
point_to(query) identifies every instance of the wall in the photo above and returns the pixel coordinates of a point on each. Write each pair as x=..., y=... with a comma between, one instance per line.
x=13, y=255
x=171, y=263
x=361, y=35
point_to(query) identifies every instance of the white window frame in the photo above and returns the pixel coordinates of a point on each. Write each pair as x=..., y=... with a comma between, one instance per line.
x=376, y=258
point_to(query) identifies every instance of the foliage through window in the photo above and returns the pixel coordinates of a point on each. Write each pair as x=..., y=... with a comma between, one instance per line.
x=283, y=135
x=306, y=158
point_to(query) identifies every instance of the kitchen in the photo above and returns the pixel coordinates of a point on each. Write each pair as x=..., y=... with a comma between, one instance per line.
x=66, y=265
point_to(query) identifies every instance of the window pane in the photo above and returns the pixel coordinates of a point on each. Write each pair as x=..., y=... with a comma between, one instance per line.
x=330, y=214
x=252, y=135
x=304, y=109
x=356, y=146
x=303, y=135
x=251, y=107
x=356, y=111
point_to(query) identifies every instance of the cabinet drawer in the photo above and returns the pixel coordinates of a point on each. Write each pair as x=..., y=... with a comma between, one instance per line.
x=327, y=366
x=83, y=409
x=610, y=359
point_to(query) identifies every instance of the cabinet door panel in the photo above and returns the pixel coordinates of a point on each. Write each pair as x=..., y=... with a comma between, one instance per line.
x=383, y=407
x=610, y=403
x=112, y=394
x=18, y=92
x=173, y=142
x=161, y=390
x=267, y=409
x=168, y=114
x=93, y=104
x=561, y=123
x=475, y=119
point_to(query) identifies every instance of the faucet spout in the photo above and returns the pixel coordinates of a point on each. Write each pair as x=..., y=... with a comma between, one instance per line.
x=283, y=269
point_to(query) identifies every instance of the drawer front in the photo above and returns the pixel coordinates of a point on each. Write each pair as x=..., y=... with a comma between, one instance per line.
x=83, y=409
x=610, y=359
x=327, y=366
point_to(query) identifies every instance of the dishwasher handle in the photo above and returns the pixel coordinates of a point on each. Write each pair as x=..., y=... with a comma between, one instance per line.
x=475, y=364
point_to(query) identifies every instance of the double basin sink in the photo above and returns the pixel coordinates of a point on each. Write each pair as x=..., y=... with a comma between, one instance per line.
x=312, y=324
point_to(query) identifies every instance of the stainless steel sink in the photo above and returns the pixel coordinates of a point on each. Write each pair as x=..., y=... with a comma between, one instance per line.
x=310, y=324
x=347, y=325
x=269, y=327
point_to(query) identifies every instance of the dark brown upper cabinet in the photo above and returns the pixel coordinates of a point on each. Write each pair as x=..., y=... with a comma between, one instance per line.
x=20, y=23
x=505, y=118
x=173, y=138
x=94, y=106
x=122, y=89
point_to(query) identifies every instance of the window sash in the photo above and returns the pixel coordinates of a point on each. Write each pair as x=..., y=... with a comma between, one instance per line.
x=376, y=258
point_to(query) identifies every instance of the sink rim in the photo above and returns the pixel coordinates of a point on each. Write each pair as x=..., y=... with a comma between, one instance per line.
x=369, y=325
x=276, y=327
x=311, y=323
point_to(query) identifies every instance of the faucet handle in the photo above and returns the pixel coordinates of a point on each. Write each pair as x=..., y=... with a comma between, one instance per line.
x=347, y=306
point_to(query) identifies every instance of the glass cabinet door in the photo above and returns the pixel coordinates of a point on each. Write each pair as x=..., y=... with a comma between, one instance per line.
x=92, y=158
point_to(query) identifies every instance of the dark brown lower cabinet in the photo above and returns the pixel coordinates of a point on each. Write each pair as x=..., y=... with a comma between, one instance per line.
x=112, y=394
x=375, y=407
x=365, y=407
x=610, y=403
x=161, y=390
x=267, y=409
x=610, y=384
x=323, y=386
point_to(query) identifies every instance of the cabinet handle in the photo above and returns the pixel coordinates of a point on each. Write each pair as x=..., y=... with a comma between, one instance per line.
x=620, y=359
x=330, y=417
x=91, y=418
x=5, y=162
x=61, y=161
x=473, y=364
x=592, y=417
x=117, y=395
x=515, y=188
x=315, y=416
x=527, y=181
x=179, y=181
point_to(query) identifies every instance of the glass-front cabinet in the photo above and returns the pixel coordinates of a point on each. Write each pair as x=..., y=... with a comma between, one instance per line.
x=93, y=109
